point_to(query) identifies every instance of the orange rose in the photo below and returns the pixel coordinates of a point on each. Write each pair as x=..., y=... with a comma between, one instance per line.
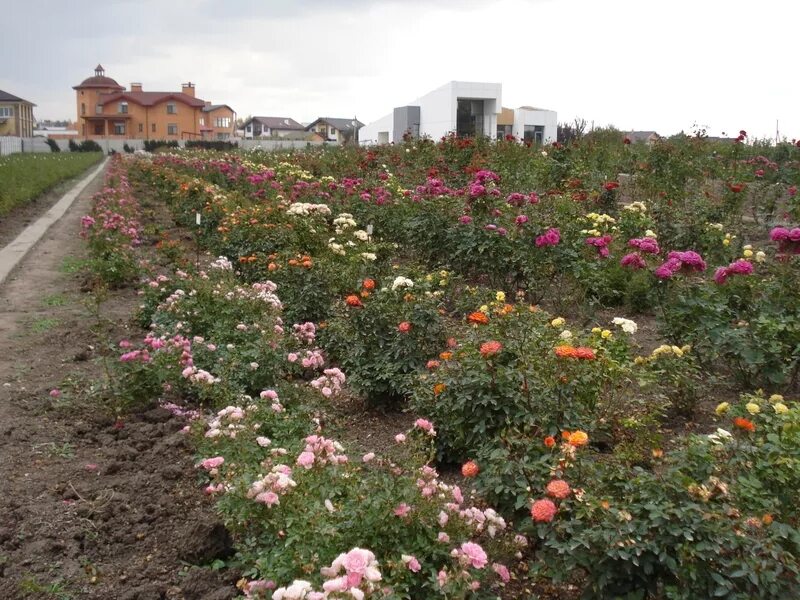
x=470, y=469
x=578, y=438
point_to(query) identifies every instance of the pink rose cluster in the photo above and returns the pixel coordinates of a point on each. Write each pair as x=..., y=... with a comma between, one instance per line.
x=601, y=243
x=353, y=572
x=321, y=451
x=644, y=245
x=551, y=237
x=687, y=261
x=330, y=383
x=425, y=426
x=269, y=488
x=227, y=422
x=305, y=333
x=788, y=239
x=738, y=267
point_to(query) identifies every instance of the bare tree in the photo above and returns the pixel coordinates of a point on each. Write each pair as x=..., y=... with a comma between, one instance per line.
x=569, y=132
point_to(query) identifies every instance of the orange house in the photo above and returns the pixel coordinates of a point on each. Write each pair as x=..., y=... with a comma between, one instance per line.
x=107, y=110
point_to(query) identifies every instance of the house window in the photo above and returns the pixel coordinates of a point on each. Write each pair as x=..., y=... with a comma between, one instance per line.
x=83, y=108
x=469, y=117
x=171, y=110
x=153, y=127
x=202, y=121
x=222, y=122
x=6, y=111
x=172, y=129
x=119, y=128
x=122, y=108
x=141, y=127
x=98, y=128
x=98, y=109
x=333, y=132
x=249, y=129
x=534, y=134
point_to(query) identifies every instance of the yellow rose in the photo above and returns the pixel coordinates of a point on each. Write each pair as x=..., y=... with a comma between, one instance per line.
x=780, y=408
x=747, y=253
x=500, y=296
x=442, y=282
x=484, y=309
x=605, y=334
x=639, y=360
x=596, y=330
x=752, y=408
x=557, y=322
x=760, y=256
x=722, y=408
x=726, y=242
x=776, y=398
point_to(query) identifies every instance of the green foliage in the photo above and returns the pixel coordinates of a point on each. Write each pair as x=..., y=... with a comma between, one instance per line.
x=24, y=177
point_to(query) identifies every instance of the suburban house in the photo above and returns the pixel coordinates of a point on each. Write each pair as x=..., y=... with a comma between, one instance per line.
x=465, y=109
x=257, y=127
x=107, y=110
x=336, y=130
x=16, y=115
x=647, y=137
x=218, y=121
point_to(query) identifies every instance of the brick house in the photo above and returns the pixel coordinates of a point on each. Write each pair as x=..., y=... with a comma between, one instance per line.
x=107, y=110
x=16, y=116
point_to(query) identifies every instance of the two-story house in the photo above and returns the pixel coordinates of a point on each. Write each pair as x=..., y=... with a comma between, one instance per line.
x=107, y=110
x=336, y=130
x=16, y=115
x=266, y=127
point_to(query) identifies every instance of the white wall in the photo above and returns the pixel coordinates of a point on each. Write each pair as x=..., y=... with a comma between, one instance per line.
x=368, y=134
x=546, y=118
x=438, y=110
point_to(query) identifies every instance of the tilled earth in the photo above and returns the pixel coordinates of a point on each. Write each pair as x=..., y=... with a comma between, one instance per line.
x=91, y=506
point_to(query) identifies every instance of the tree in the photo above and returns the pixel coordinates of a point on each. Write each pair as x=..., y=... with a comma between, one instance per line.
x=569, y=132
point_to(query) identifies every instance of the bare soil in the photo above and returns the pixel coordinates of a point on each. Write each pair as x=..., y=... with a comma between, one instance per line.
x=92, y=506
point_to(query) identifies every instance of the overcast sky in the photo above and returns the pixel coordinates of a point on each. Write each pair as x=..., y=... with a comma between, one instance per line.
x=636, y=64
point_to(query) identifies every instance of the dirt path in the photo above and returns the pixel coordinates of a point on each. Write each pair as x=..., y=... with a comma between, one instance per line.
x=90, y=508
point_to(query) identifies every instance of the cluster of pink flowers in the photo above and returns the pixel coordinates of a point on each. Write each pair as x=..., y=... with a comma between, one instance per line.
x=360, y=571
x=676, y=262
x=645, y=245
x=788, y=239
x=305, y=333
x=496, y=229
x=321, y=451
x=550, y=238
x=425, y=426
x=227, y=422
x=272, y=396
x=481, y=520
x=738, y=267
x=313, y=359
x=601, y=243
x=330, y=383
x=276, y=483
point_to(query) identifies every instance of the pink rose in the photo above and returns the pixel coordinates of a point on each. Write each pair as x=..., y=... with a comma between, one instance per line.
x=306, y=459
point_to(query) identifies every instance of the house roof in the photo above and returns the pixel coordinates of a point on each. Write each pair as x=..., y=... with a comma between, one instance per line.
x=340, y=124
x=640, y=136
x=98, y=81
x=277, y=123
x=6, y=97
x=213, y=107
x=151, y=98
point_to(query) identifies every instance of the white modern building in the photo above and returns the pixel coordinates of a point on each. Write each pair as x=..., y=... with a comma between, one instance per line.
x=466, y=109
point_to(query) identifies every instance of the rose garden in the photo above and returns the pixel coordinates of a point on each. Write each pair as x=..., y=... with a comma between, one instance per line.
x=587, y=358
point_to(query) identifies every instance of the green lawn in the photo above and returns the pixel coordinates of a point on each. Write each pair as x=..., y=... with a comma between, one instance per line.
x=24, y=177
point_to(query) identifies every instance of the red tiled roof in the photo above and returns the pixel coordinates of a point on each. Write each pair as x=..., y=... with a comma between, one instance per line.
x=98, y=81
x=151, y=98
